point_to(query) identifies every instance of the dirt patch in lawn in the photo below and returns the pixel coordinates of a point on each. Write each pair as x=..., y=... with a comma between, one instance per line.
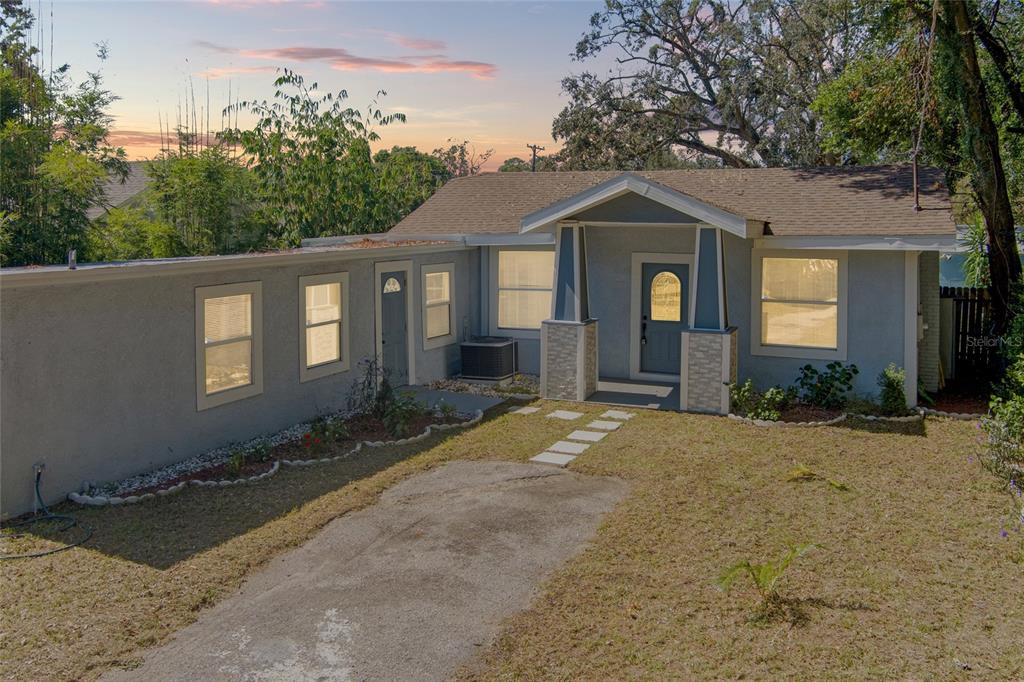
x=807, y=413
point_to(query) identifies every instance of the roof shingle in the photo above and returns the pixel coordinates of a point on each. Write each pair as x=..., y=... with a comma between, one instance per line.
x=830, y=201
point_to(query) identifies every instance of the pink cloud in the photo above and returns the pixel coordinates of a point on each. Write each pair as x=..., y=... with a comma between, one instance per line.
x=343, y=60
x=218, y=72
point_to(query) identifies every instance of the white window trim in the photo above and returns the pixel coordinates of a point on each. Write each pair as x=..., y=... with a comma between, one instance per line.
x=328, y=368
x=449, y=338
x=493, y=313
x=799, y=352
x=205, y=401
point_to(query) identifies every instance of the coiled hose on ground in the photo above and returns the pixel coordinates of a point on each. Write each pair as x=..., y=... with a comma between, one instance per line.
x=46, y=515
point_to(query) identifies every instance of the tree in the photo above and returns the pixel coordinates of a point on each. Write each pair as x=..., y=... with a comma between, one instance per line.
x=208, y=198
x=957, y=111
x=130, y=234
x=460, y=159
x=55, y=156
x=311, y=158
x=514, y=164
x=406, y=177
x=732, y=81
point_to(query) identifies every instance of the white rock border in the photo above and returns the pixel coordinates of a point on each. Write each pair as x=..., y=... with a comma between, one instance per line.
x=960, y=416
x=881, y=418
x=114, y=501
x=780, y=424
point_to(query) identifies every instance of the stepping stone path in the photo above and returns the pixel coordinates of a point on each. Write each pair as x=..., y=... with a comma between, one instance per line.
x=565, y=451
x=565, y=414
x=524, y=410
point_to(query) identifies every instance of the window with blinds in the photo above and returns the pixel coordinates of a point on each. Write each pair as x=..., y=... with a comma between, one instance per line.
x=228, y=350
x=438, y=307
x=323, y=325
x=525, y=279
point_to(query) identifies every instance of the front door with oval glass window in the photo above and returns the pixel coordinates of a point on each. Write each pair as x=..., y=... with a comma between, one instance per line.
x=663, y=316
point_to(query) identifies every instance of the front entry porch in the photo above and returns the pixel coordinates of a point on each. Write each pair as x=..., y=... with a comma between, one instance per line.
x=643, y=394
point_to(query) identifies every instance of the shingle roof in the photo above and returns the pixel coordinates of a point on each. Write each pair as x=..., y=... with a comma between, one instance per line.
x=118, y=192
x=831, y=201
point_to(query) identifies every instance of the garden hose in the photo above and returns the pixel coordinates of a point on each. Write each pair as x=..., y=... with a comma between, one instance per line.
x=46, y=515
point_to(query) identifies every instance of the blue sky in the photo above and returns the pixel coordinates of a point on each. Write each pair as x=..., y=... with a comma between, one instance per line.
x=486, y=72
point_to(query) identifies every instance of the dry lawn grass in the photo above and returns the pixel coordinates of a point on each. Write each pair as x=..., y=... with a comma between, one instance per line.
x=913, y=580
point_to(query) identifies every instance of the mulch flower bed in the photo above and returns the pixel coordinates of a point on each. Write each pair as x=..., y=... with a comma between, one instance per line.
x=360, y=428
x=218, y=472
x=961, y=403
x=807, y=413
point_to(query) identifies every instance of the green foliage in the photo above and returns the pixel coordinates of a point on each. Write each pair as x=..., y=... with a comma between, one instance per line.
x=765, y=577
x=209, y=198
x=975, y=239
x=768, y=406
x=311, y=157
x=892, y=395
x=54, y=152
x=460, y=159
x=237, y=461
x=447, y=411
x=514, y=164
x=130, y=234
x=401, y=412
x=826, y=389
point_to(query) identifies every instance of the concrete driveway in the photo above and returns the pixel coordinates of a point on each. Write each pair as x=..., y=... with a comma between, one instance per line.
x=409, y=588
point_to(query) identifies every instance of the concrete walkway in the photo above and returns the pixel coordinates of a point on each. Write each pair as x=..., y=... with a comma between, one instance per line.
x=409, y=588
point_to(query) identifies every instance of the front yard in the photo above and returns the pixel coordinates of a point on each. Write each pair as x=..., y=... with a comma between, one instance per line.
x=912, y=578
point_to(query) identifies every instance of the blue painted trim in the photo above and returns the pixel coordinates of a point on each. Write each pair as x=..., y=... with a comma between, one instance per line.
x=706, y=314
x=565, y=287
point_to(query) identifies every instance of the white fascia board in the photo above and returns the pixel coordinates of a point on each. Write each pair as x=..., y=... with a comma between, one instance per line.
x=510, y=239
x=86, y=272
x=867, y=243
x=618, y=186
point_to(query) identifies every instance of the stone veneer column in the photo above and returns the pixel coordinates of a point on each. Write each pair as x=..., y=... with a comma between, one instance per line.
x=928, y=346
x=709, y=359
x=568, y=359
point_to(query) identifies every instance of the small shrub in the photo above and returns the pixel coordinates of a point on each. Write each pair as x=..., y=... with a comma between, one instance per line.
x=892, y=395
x=373, y=392
x=826, y=389
x=401, y=413
x=768, y=406
x=765, y=577
x=236, y=461
x=447, y=411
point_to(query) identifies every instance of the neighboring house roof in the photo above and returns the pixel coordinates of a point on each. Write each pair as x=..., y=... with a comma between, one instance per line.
x=117, y=192
x=830, y=201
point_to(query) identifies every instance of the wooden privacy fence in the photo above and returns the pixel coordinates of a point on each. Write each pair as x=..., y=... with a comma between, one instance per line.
x=975, y=349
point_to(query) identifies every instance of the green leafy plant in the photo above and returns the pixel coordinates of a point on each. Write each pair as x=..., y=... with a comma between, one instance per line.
x=236, y=461
x=828, y=388
x=372, y=393
x=802, y=473
x=447, y=411
x=765, y=577
x=892, y=395
x=767, y=406
x=401, y=413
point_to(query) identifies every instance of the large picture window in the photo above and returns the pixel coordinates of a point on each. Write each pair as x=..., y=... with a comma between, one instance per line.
x=323, y=322
x=800, y=301
x=228, y=343
x=438, y=307
x=524, y=288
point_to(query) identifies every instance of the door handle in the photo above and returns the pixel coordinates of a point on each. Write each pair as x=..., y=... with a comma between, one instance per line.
x=643, y=331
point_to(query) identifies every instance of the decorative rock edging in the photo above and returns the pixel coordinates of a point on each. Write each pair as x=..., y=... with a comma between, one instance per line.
x=114, y=501
x=765, y=422
x=961, y=416
x=880, y=418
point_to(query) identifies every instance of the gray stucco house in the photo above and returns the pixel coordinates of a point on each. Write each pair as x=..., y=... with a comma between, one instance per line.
x=668, y=282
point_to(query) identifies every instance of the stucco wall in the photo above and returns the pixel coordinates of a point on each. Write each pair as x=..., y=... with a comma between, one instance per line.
x=876, y=320
x=97, y=379
x=609, y=255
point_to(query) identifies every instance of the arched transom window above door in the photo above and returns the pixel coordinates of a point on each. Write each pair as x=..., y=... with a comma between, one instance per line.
x=666, y=297
x=392, y=286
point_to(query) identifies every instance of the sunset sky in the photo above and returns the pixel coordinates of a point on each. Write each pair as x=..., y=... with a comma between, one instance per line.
x=486, y=72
